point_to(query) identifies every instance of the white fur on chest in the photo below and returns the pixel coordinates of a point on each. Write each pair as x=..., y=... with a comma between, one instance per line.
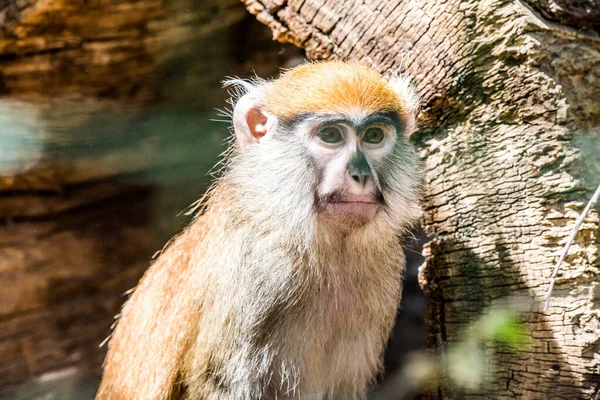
x=333, y=350
x=311, y=329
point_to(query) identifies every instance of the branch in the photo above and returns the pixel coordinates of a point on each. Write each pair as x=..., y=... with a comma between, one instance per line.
x=589, y=205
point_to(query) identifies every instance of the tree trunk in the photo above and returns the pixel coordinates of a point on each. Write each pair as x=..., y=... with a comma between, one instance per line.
x=510, y=140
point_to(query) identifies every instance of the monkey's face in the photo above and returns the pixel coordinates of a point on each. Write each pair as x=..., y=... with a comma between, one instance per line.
x=332, y=135
x=347, y=153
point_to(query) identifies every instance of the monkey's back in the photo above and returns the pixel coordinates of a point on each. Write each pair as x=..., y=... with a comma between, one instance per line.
x=155, y=327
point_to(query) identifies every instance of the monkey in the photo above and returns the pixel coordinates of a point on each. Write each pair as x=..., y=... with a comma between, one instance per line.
x=286, y=283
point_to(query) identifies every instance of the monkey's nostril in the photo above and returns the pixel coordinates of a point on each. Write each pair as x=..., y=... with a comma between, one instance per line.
x=360, y=178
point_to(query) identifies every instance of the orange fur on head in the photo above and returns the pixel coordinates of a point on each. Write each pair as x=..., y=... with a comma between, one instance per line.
x=335, y=87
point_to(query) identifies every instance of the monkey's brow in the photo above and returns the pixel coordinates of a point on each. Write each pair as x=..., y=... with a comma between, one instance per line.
x=388, y=118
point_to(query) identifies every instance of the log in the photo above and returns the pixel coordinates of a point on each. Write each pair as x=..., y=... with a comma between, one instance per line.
x=509, y=138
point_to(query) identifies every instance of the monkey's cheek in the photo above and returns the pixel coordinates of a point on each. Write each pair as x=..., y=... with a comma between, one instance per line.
x=351, y=212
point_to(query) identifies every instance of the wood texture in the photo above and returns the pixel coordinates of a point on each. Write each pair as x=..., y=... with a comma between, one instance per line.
x=63, y=276
x=104, y=138
x=510, y=141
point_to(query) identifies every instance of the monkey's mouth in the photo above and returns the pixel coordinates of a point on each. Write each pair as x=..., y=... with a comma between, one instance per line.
x=359, y=209
x=355, y=207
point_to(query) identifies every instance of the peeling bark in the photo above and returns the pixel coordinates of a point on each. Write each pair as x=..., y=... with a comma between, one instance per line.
x=510, y=140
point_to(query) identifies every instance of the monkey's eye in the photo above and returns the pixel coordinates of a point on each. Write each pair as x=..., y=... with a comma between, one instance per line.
x=373, y=136
x=330, y=135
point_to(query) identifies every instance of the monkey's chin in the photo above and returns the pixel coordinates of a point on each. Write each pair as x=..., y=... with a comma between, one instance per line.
x=351, y=212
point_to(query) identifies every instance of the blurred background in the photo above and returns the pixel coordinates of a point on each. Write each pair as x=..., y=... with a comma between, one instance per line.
x=108, y=132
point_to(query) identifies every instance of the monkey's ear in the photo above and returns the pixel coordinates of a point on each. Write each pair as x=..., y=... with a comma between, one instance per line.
x=403, y=87
x=251, y=123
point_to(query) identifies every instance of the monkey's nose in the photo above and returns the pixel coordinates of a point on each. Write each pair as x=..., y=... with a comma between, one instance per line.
x=361, y=177
x=359, y=170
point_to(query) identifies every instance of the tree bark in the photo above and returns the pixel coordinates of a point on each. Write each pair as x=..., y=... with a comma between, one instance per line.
x=510, y=141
